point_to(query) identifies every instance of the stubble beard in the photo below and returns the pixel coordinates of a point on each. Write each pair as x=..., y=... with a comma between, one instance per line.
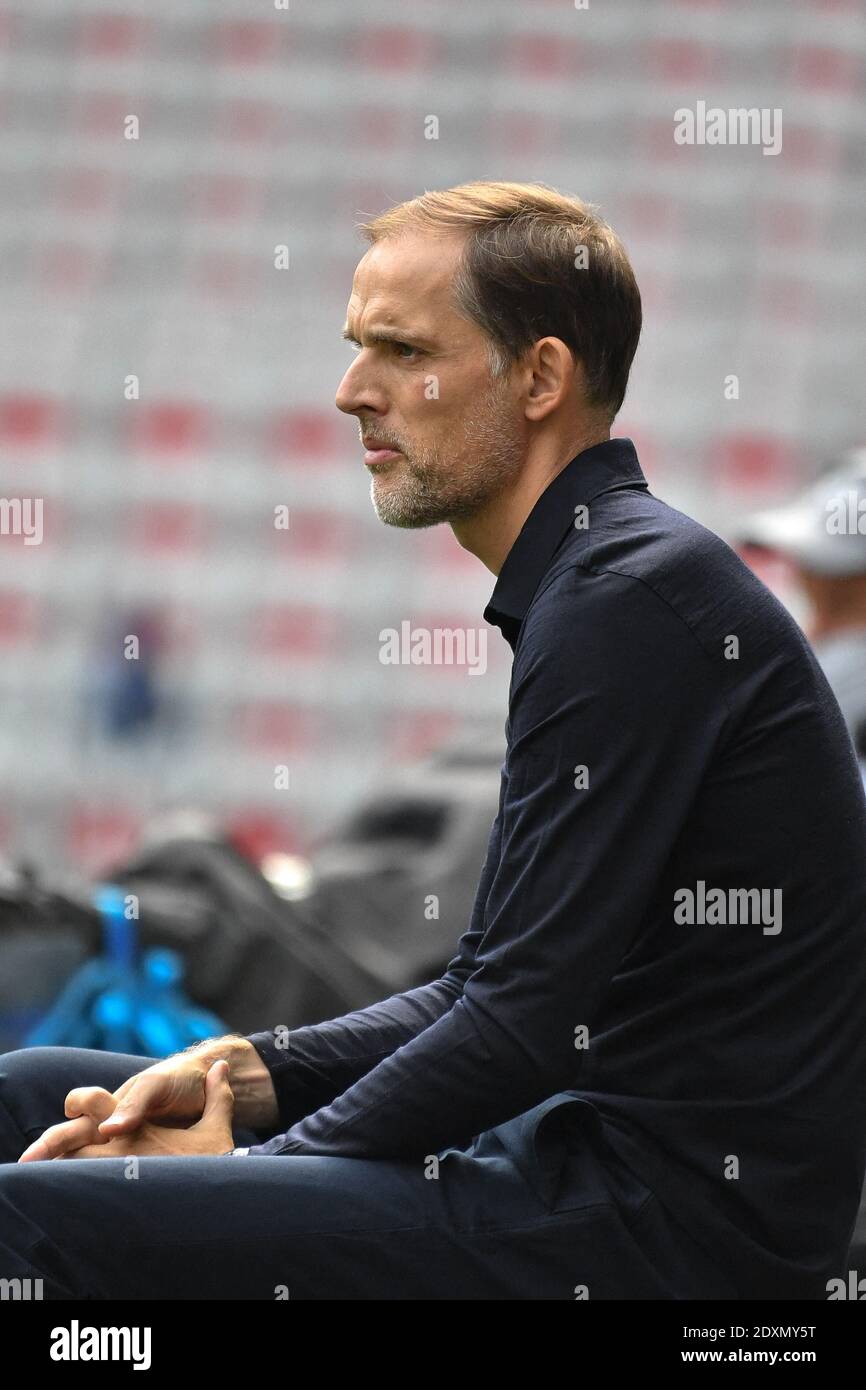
x=433, y=487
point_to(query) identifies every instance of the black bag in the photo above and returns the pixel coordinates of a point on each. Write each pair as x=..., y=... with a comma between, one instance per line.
x=391, y=892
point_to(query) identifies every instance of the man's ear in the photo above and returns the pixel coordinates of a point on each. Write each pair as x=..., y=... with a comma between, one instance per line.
x=555, y=375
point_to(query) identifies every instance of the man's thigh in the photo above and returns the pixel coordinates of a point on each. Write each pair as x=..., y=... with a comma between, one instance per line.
x=257, y=1226
x=307, y=1227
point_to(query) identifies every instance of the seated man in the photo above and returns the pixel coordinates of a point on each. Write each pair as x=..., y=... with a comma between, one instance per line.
x=643, y=1073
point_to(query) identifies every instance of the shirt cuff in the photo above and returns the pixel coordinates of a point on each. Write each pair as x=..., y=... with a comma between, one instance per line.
x=235, y=1153
x=281, y=1066
x=280, y=1146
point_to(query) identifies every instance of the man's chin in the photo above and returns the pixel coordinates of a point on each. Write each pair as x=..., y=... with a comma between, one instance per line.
x=392, y=511
x=406, y=521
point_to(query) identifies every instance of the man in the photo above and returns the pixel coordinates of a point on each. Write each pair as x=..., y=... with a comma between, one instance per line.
x=643, y=1074
x=822, y=533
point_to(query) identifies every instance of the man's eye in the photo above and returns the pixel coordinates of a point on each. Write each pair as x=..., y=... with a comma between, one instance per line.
x=402, y=350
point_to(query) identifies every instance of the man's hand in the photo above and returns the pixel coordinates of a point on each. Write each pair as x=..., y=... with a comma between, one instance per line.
x=89, y=1105
x=212, y=1134
x=171, y=1090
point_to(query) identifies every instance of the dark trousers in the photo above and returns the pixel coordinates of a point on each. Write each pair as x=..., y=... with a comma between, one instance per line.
x=316, y=1227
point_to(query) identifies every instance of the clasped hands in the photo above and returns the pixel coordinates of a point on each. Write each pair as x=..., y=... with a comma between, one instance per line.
x=182, y=1106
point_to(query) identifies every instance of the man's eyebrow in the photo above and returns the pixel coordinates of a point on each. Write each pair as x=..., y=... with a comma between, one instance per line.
x=389, y=335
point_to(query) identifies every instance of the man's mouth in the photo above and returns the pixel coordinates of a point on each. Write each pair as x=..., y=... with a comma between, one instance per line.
x=379, y=453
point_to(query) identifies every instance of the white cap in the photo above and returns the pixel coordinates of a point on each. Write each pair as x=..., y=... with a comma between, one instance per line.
x=824, y=528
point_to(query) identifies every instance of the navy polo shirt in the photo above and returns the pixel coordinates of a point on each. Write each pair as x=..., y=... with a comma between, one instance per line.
x=670, y=924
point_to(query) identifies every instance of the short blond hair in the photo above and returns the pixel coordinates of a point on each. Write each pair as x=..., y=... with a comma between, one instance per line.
x=523, y=275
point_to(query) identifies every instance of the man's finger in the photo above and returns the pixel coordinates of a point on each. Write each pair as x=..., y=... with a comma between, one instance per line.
x=219, y=1098
x=57, y=1140
x=131, y=1112
x=94, y=1101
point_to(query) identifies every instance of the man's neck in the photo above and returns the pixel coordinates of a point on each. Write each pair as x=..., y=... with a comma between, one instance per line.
x=491, y=533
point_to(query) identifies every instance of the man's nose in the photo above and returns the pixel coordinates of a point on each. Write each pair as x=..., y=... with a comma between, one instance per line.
x=357, y=392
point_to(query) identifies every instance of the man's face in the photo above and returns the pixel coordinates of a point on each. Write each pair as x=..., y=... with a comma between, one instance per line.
x=421, y=385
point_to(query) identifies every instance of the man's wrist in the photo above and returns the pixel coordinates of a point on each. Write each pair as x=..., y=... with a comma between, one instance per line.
x=255, y=1099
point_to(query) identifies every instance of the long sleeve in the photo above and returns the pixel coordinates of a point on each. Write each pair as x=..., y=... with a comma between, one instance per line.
x=606, y=678
x=310, y=1066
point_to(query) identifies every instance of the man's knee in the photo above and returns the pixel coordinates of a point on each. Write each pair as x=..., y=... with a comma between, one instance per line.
x=25, y=1090
x=20, y=1069
x=28, y=1067
x=67, y=1067
x=25, y=1056
x=23, y=1060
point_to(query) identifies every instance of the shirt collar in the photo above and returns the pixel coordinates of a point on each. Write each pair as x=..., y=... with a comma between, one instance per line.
x=606, y=466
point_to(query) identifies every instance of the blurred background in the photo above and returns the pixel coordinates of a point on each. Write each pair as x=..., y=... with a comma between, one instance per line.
x=182, y=184
x=153, y=258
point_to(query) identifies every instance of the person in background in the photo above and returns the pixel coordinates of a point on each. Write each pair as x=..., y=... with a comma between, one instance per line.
x=822, y=534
